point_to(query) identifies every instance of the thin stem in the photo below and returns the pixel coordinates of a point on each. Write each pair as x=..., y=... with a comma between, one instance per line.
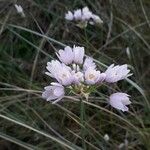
x=82, y=117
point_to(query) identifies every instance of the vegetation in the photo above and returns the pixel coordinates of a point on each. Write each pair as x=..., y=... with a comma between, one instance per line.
x=28, y=43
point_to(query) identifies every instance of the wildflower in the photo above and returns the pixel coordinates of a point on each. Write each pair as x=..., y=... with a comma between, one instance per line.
x=86, y=13
x=82, y=17
x=69, y=16
x=88, y=63
x=102, y=77
x=91, y=76
x=69, y=55
x=52, y=67
x=78, y=77
x=54, y=92
x=116, y=73
x=121, y=145
x=64, y=76
x=78, y=14
x=106, y=137
x=77, y=73
x=78, y=54
x=66, y=56
x=124, y=144
x=97, y=19
x=20, y=10
x=119, y=101
x=60, y=72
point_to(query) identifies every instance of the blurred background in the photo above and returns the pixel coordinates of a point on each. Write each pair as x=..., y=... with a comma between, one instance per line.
x=29, y=41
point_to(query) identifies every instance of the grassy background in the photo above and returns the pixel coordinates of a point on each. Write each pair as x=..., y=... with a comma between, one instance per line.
x=29, y=122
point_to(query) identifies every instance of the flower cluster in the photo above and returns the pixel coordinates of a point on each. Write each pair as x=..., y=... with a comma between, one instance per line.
x=77, y=72
x=83, y=16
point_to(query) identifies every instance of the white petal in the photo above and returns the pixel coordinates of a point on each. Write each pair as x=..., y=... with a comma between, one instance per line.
x=78, y=14
x=126, y=101
x=117, y=104
x=59, y=91
x=97, y=19
x=119, y=101
x=116, y=73
x=91, y=76
x=69, y=16
x=102, y=77
x=78, y=54
x=66, y=56
x=88, y=63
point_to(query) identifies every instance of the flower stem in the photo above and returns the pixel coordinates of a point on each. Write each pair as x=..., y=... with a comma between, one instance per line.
x=82, y=117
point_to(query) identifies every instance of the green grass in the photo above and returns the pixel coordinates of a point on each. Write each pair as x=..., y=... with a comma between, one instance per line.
x=29, y=122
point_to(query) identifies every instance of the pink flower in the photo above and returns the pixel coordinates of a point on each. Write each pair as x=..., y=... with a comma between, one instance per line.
x=88, y=63
x=69, y=55
x=102, y=77
x=83, y=16
x=78, y=77
x=78, y=14
x=86, y=13
x=52, y=67
x=66, y=56
x=20, y=10
x=69, y=16
x=55, y=92
x=78, y=54
x=119, y=101
x=92, y=76
x=60, y=72
x=97, y=19
x=116, y=73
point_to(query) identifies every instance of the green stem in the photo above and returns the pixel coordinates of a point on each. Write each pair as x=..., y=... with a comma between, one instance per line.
x=82, y=117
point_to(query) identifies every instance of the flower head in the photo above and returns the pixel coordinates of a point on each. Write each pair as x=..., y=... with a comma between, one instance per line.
x=92, y=76
x=119, y=101
x=19, y=10
x=88, y=63
x=78, y=77
x=82, y=17
x=60, y=72
x=106, y=137
x=86, y=13
x=78, y=73
x=69, y=16
x=102, y=77
x=66, y=56
x=116, y=73
x=78, y=54
x=64, y=76
x=96, y=19
x=69, y=55
x=78, y=14
x=52, y=67
x=54, y=92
